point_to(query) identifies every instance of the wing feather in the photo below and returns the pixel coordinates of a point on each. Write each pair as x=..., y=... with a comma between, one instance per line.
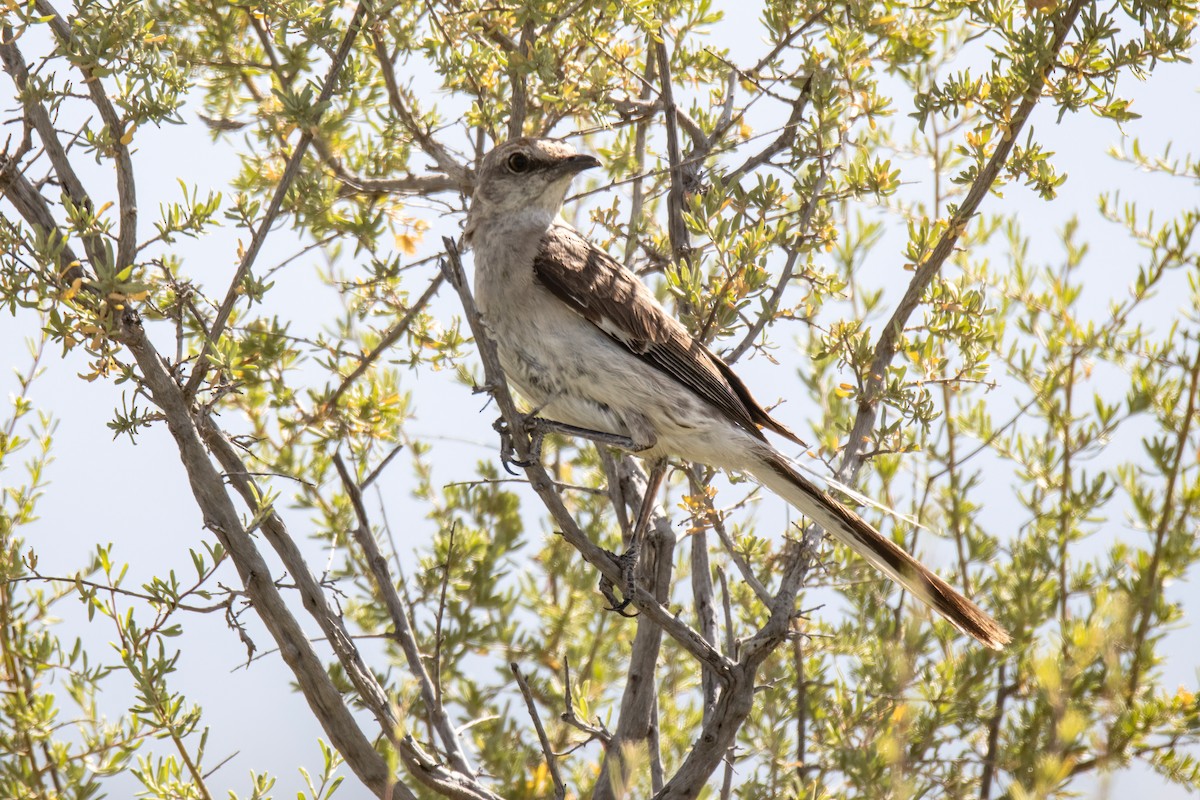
x=610, y=297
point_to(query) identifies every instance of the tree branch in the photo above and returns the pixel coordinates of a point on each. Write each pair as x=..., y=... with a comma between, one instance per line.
x=390, y=338
x=702, y=597
x=560, y=788
x=273, y=208
x=402, y=631
x=889, y=338
x=424, y=139
x=221, y=517
x=126, y=191
x=676, y=196
x=34, y=209
x=37, y=115
x=636, y=715
x=450, y=783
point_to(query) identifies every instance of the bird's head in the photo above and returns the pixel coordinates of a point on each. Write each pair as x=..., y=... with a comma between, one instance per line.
x=527, y=176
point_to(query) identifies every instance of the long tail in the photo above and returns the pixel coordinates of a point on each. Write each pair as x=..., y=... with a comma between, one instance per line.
x=774, y=472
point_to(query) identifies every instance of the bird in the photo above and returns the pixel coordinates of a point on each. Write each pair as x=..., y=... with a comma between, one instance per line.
x=585, y=342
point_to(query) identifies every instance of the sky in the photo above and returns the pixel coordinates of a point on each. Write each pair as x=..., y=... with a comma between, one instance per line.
x=135, y=495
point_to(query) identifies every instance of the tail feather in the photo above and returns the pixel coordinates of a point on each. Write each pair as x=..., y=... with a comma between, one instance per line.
x=781, y=477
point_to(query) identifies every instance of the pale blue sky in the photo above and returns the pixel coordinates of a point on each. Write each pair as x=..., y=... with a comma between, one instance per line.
x=137, y=496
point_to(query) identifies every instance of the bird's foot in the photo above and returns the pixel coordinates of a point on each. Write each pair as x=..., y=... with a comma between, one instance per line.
x=508, y=453
x=628, y=562
x=537, y=427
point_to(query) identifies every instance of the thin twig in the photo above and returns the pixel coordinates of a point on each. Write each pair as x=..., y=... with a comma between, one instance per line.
x=889, y=339
x=597, y=731
x=440, y=616
x=1149, y=590
x=390, y=338
x=375, y=473
x=386, y=589
x=787, y=135
x=104, y=587
x=267, y=221
x=560, y=788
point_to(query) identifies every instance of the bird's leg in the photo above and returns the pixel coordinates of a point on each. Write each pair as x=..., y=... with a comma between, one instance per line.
x=628, y=561
x=507, y=454
x=537, y=428
x=530, y=424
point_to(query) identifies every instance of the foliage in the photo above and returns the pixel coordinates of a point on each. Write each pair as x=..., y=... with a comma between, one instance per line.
x=761, y=196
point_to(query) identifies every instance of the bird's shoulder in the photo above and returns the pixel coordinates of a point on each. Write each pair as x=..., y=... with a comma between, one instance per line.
x=596, y=286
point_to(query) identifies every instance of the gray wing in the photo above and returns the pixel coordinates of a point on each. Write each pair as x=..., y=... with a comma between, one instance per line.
x=610, y=297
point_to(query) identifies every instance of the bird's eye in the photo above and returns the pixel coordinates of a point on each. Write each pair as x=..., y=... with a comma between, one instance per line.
x=518, y=162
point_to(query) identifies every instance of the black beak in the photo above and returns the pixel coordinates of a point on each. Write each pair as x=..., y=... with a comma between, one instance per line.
x=577, y=164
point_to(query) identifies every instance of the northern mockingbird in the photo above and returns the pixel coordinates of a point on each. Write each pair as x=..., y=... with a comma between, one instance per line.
x=586, y=343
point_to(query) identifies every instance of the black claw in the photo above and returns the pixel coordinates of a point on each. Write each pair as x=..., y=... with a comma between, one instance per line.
x=619, y=606
x=620, y=609
x=506, y=447
x=507, y=451
x=608, y=588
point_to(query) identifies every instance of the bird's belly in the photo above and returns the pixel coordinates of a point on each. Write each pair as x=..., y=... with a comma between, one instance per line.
x=605, y=388
x=572, y=372
x=562, y=389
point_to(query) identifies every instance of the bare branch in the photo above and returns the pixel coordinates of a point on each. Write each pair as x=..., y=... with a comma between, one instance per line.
x=786, y=139
x=637, y=196
x=640, y=695
x=37, y=115
x=560, y=788
x=716, y=737
x=676, y=197
x=702, y=591
x=424, y=139
x=406, y=184
x=990, y=759
x=221, y=517
x=402, y=631
x=420, y=764
x=126, y=190
x=517, y=78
